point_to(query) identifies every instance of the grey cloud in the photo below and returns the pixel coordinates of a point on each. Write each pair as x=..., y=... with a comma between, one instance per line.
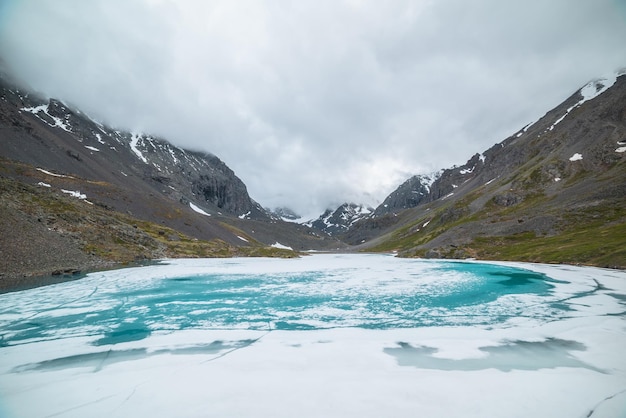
x=312, y=103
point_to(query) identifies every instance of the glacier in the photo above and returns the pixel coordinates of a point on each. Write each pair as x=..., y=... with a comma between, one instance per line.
x=335, y=335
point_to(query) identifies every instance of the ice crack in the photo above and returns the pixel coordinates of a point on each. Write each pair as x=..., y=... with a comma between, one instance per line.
x=608, y=398
x=247, y=343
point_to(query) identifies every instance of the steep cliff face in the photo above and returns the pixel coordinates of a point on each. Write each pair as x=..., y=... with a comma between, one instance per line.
x=50, y=134
x=409, y=194
x=553, y=184
x=140, y=181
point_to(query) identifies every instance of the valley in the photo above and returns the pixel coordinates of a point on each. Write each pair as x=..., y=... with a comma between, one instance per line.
x=77, y=195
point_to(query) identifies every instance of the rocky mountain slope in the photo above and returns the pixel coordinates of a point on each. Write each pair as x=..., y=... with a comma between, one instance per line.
x=340, y=220
x=554, y=192
x=68, y=163
x=409, y=194
x=77, y=195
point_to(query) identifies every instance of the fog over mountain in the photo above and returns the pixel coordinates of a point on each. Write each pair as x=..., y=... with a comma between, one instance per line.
x=316, y=103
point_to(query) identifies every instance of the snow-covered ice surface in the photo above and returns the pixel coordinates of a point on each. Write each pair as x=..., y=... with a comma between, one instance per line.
x=323, y=335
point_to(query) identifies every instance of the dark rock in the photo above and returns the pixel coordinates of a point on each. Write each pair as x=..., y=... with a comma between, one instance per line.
x=507, y=199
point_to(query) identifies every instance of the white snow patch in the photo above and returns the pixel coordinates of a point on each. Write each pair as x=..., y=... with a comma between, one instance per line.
x=557, y=179
x=197, y=209
x=490, y=181
x=91, y=148
x=447, y=196
x=590, y=91
x=244, y=216
x=58, y=122
x=124, y=174
x=529, y=125
x=134, y=140
x=621, y=149
x=242, y=238
x=281, y=246
x=41, y=183
x=560, y=119
x=171, y=151
x=75, y=194
x=576, y=157
x=53, y=174
x=99, y=138
x=36, y=109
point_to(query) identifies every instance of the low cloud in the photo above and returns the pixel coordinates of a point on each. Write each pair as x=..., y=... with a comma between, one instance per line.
x=316, y=102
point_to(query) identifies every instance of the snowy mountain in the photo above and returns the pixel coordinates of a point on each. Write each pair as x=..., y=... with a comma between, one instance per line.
x=409, y=194
x=553, y=191
x=286, y=214
x=182, y=175
x=335, y=222
x=55, y=150
x=76, y=193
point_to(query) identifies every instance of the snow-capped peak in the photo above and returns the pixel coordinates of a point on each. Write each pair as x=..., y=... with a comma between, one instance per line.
x=592, y=90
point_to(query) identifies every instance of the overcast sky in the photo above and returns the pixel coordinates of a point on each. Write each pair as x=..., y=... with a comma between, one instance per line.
x=313, y=103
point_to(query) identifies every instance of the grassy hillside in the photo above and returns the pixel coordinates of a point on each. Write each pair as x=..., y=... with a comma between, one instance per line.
x=578, y=229
x=44, y=231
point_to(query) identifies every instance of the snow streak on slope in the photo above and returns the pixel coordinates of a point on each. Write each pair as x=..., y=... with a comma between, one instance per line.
x=198, y=210
x=134, y=140
x=58, y=123
x=590, y=91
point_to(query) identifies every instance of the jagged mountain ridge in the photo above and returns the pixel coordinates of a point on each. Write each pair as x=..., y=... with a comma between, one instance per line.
x=194, y=176
x=409, y=194
x=559, y=179
x=340, y=220
x=545, y=181
x=134, y=174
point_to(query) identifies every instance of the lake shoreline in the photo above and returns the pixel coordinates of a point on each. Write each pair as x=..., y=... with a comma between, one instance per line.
x=15, y=281
x=336, y=335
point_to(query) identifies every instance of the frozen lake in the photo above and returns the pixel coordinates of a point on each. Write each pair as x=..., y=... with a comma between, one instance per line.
x=324, y=335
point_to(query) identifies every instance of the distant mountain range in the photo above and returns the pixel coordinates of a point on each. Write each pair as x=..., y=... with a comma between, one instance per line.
x=554, y=191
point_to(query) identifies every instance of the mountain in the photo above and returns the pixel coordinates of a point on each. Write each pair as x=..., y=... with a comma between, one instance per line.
x=555, y=191
x=409, y=194
x=110, y=195
x=340, y=220
x=285, y=213
x=76, y=195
